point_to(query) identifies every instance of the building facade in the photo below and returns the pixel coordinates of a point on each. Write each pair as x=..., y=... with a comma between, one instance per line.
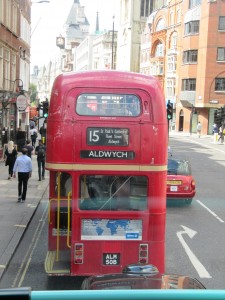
x=14, y=66
x=188, y=57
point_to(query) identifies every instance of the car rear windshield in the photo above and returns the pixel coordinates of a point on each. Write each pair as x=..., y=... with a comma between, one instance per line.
x=178, y=167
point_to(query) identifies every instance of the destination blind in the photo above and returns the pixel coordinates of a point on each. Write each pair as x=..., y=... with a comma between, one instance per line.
x=107, y=136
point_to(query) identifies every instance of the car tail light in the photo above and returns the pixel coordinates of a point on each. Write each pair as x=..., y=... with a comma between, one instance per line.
x=193, y=184
x=143, y=253
x=79, y=253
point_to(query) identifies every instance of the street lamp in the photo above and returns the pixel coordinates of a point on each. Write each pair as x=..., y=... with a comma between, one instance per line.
x=6, y=95
x=112, y=64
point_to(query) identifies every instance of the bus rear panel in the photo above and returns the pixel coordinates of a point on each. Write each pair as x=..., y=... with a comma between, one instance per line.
x=107, y=158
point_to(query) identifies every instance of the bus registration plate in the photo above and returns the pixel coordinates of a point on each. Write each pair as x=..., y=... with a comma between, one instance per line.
x=111, y=259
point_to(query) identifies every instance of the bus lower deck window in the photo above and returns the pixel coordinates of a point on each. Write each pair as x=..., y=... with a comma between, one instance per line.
x=101, y=192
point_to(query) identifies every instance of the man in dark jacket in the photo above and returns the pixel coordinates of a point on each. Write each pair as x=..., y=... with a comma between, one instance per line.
x=40, y=151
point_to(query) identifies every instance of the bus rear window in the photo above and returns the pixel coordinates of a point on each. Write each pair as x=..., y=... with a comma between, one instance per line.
x=108, y=105
x=101, y=192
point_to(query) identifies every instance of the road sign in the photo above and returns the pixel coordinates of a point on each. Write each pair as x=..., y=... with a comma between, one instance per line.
x=21, y=102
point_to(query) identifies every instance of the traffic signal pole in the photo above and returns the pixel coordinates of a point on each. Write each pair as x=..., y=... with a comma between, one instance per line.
x=169, y=113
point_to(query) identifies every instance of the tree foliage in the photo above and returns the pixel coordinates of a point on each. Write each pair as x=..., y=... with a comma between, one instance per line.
x=33, y=93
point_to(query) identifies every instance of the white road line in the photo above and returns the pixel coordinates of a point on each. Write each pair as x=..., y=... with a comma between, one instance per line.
x=210, y=211
x=202, y=272
x=206, y=145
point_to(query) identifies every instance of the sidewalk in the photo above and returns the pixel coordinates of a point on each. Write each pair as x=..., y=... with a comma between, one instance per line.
x=206, y=140
x=14, y=216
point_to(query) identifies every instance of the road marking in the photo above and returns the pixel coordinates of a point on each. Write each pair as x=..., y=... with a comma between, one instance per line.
x=202, y=144
x=210, y=211
x=202, y=272
x=22, y=270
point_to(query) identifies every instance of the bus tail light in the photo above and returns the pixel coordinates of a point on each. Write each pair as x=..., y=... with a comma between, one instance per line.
x=79, y=253
x=143, y=253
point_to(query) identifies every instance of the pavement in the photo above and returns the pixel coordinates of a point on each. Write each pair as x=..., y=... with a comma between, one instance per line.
x=15, y=217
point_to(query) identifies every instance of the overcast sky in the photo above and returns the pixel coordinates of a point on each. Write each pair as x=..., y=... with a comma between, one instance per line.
x=48, y=19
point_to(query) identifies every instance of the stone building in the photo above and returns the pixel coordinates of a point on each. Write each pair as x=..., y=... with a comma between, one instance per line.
x=15, y=18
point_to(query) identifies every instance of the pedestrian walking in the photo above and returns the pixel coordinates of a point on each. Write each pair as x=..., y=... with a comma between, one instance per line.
x=221, y=134
x=32, y=123
x=33, y=135
x=199, y=129
x=10, y=157
x=23, y=165
x=40, y=151
x=29, y=148
x=215, y=128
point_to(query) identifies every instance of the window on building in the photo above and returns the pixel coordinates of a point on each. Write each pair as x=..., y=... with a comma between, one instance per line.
x=157, y=68
x=222, y=23
x=13, y=66
x=220, y=84
x=190, y=56
x=170, y=88
x=171, y=18
x=193, y=3
x=189, y=84
x=172, y=63
x=15, y=17
x=159, y=50
x=173, y=41
x=160, y=25
x=6, y=68
x=178, y=16
x=1, y=66
x=192, y=27
x=145, y=8
x=221, y=54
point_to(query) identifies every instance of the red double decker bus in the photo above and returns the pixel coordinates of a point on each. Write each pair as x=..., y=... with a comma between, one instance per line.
x=107, y=160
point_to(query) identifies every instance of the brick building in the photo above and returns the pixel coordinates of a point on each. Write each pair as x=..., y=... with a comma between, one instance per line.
x=188, y=56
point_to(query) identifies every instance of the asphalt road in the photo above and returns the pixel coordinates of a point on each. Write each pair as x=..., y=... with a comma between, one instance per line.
x=195, y=236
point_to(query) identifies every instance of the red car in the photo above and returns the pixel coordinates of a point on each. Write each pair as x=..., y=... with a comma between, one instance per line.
x=180, y=182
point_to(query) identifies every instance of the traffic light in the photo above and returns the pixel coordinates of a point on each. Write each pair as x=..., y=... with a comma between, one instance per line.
x=45, y=108
x=169, y=111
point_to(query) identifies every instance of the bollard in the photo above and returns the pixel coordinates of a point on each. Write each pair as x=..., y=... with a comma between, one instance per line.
x=215, y=138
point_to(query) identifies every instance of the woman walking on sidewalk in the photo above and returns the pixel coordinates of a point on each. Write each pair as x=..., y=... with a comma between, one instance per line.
x=10, y=155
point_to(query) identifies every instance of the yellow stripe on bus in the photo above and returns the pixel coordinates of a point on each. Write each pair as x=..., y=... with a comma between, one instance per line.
x=88, y=167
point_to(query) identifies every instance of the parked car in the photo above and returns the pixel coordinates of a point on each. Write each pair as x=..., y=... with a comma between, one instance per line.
x=137, y=276
x=180, y=182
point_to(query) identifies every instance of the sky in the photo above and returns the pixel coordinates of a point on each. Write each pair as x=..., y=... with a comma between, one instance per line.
x=48, y=19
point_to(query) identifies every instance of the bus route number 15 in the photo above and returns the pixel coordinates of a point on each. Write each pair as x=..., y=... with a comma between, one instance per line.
x=93, y=136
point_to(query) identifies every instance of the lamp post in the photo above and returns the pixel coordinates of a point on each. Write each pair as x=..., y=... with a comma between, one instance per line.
x=112, y=64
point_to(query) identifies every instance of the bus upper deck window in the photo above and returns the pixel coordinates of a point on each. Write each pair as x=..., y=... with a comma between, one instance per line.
x=108, y=105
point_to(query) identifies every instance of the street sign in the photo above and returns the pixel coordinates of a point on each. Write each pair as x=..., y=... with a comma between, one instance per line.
x=21, y=102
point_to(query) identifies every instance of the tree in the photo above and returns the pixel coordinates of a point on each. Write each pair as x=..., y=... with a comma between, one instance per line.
x=33, y=93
